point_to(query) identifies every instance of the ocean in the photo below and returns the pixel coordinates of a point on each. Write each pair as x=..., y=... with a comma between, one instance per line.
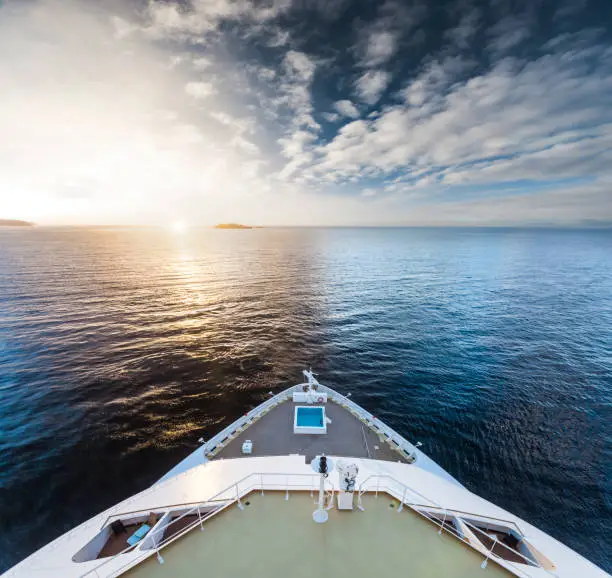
x=119, y=348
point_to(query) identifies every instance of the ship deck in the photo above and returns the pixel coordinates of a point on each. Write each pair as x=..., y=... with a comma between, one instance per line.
x=272, y=435
x=273, y=537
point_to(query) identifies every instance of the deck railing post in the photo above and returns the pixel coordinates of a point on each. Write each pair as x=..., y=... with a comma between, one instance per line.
x=200, y=518
x=159, y=556
x=403, y=500
x=286, y=487
x=261, y=483
x=377, y=485
x=359, y=502
x=443, y=522
x=484, y=562
x=238, y=498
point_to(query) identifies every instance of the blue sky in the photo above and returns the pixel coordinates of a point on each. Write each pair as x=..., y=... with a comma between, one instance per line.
x=292, y=112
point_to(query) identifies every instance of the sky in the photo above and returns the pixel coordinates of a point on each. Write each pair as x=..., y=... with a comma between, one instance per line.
x=306, y=112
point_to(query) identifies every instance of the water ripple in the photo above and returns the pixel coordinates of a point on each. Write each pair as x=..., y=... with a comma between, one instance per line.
x=120, y=348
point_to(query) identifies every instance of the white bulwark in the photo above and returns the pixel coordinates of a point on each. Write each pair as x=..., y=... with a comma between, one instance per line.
x=242, y=505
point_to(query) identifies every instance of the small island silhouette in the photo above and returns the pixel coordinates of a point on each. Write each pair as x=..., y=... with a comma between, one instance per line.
x=232, y=226
x=14, y=223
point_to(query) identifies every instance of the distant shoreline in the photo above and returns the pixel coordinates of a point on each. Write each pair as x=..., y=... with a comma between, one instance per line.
x=15, y=223
x=232, y=226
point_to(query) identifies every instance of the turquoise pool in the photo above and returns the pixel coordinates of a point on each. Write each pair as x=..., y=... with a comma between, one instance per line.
x=310, y=417
x=309, y=420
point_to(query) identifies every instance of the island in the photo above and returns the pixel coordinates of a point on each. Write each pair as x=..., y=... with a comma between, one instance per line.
x=231, y=226
x=14, y=223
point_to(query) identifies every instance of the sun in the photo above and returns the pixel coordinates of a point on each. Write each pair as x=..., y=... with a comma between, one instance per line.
x=178, y=227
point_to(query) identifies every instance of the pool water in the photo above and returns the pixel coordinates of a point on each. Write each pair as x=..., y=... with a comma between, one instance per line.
x=310, y=417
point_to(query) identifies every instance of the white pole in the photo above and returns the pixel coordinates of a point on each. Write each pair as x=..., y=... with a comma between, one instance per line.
x=238, y=498
x=403, y=500
x=443, y=522
x=484, y=562
x=159, y=558
x=321, y=492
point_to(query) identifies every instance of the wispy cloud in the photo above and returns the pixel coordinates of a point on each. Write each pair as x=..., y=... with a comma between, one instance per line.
x=463, y=34
x=222, y=108
x=371, y=85
x=346, y=108
x=200, y=89
x=380, y=47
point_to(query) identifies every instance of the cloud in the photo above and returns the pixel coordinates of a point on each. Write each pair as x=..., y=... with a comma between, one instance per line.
x=124, y=142
x=380, y=47
x=435, y=78
x=507, y=34
x=278, y=38
x=294, y=89
x=331, y=116
x=462, y=34
x=587, y=206
x=301, y=132
x=346, y=108
x=201, y=63
x=371, y=85
x=200, y=90
x=202, y=17
x=299, y=66
x=498, y=126
x=133, y=110
x=569, y=8
x=240, y=125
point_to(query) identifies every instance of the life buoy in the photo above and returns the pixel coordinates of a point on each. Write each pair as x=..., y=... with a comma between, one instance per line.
x=320, y=399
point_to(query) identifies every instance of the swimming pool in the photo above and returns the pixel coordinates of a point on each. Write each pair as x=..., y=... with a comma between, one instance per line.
x=309, y=420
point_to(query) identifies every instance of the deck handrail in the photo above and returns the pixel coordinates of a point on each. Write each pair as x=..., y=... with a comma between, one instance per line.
x=417, y=507
x=433, y=503
x=236, y=494
x=382, y=427
x=233, y=494
x=213, y=442
x=205, y=449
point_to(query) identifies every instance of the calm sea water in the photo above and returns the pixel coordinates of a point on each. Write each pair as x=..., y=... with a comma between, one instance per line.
x=120, y=348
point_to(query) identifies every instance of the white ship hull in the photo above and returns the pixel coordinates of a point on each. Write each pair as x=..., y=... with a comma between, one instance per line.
x=217, y=478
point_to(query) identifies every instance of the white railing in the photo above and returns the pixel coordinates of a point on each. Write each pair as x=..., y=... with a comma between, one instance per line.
x=207, y=447
x=154, y=542
x=372, y=421
x=245, y=420
x=233, y=494
x=238, y=425
x=421, y=504
x=221, y=437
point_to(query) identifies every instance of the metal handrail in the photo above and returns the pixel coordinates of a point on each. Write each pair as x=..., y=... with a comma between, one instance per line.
x=233, y=493
x=489, y=554
x=227, y=432
x=243, y=420
x=434, y=504
x=236, y=494
x=382, y=427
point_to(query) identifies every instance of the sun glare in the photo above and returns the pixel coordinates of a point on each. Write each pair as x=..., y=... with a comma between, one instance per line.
x=178, y=227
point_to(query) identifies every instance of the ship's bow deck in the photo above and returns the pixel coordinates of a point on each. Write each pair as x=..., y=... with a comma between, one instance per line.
x=274, y=537
x=272, y=435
